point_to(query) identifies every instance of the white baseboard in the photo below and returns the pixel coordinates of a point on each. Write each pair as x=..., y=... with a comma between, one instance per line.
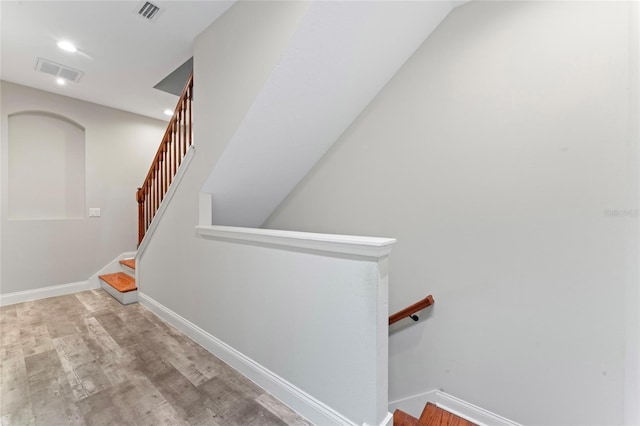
x=303, y=403
x=388, y=421
x=44, y=292
x=60, y=290
x=471, y=412
x=415, y=404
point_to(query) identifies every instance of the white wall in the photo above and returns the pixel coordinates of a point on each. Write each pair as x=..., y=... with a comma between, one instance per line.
x=632, y=293
x=500, y=157
x=311, y=309
x=283, y=309
x=232, y=60
x=119, y=147
x=339, y=58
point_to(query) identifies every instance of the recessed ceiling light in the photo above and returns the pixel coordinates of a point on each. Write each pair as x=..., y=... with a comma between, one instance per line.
x=168, y=112
x=61, y=81
x=67, y=45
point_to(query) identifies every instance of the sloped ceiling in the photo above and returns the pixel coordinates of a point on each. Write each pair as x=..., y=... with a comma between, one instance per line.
x=340, y=57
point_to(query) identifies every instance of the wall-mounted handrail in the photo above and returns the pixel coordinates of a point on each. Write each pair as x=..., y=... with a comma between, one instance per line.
x=176, y=140
x=410, y=311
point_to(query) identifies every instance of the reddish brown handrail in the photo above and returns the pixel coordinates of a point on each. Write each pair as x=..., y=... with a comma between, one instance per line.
x=175, y=142
x=410, y=310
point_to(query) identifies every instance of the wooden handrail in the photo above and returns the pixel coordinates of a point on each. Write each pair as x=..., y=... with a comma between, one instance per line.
x=409, y=311
x=176, y=140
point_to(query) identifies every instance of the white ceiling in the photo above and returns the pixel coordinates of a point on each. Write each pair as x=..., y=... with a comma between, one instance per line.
x=122, y=55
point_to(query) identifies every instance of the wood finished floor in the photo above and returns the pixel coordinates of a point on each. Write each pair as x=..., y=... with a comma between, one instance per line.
x=84, y=359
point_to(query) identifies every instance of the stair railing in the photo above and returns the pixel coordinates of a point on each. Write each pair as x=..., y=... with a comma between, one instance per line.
x=410, y=311
x=175, y=142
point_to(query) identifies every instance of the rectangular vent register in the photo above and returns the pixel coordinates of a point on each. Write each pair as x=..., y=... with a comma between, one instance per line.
x=149, y=11
x=58, y=70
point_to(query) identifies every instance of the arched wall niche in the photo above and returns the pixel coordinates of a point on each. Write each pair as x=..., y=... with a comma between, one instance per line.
x=46, y=167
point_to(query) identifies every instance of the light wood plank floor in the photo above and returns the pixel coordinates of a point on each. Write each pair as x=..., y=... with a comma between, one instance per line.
x=84, y=359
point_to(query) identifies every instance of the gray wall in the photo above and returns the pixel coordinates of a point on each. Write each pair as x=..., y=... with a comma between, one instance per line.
x=39, y=141
x=119, y=147
x=501, y=158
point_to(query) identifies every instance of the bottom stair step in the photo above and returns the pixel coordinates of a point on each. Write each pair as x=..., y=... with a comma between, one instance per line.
x=120, y=281
x=121, y=286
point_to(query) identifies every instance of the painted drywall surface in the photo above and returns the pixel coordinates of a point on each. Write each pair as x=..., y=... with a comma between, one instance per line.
x=309, y=318
x=45, y=142
x=232, y=60
x=239, y=293
x=339, y=58
x=632, y=293
x=119, y=147
x=499, y=157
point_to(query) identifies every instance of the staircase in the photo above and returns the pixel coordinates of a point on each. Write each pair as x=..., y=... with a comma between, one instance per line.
x=122, y=285
x=431, y=416
x=177, y=139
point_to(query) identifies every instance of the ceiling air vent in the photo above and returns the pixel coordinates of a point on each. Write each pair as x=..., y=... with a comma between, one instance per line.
x=57, y=70
x=149, y=11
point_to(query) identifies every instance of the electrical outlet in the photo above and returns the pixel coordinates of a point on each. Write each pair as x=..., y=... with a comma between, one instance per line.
x=94, y=212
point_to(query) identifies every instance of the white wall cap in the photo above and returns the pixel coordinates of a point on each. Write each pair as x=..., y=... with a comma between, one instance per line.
x=344, y=244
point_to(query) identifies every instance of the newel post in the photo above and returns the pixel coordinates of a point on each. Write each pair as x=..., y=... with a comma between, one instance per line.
x=140, y=197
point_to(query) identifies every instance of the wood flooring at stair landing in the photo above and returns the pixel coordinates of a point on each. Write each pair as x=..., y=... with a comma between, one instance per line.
x=85, y=359
x=431, y=416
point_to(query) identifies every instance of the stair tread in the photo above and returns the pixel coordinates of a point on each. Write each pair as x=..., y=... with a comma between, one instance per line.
x=120, y=281
x=435, y=416
x=131, y=263
x=400, y=418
